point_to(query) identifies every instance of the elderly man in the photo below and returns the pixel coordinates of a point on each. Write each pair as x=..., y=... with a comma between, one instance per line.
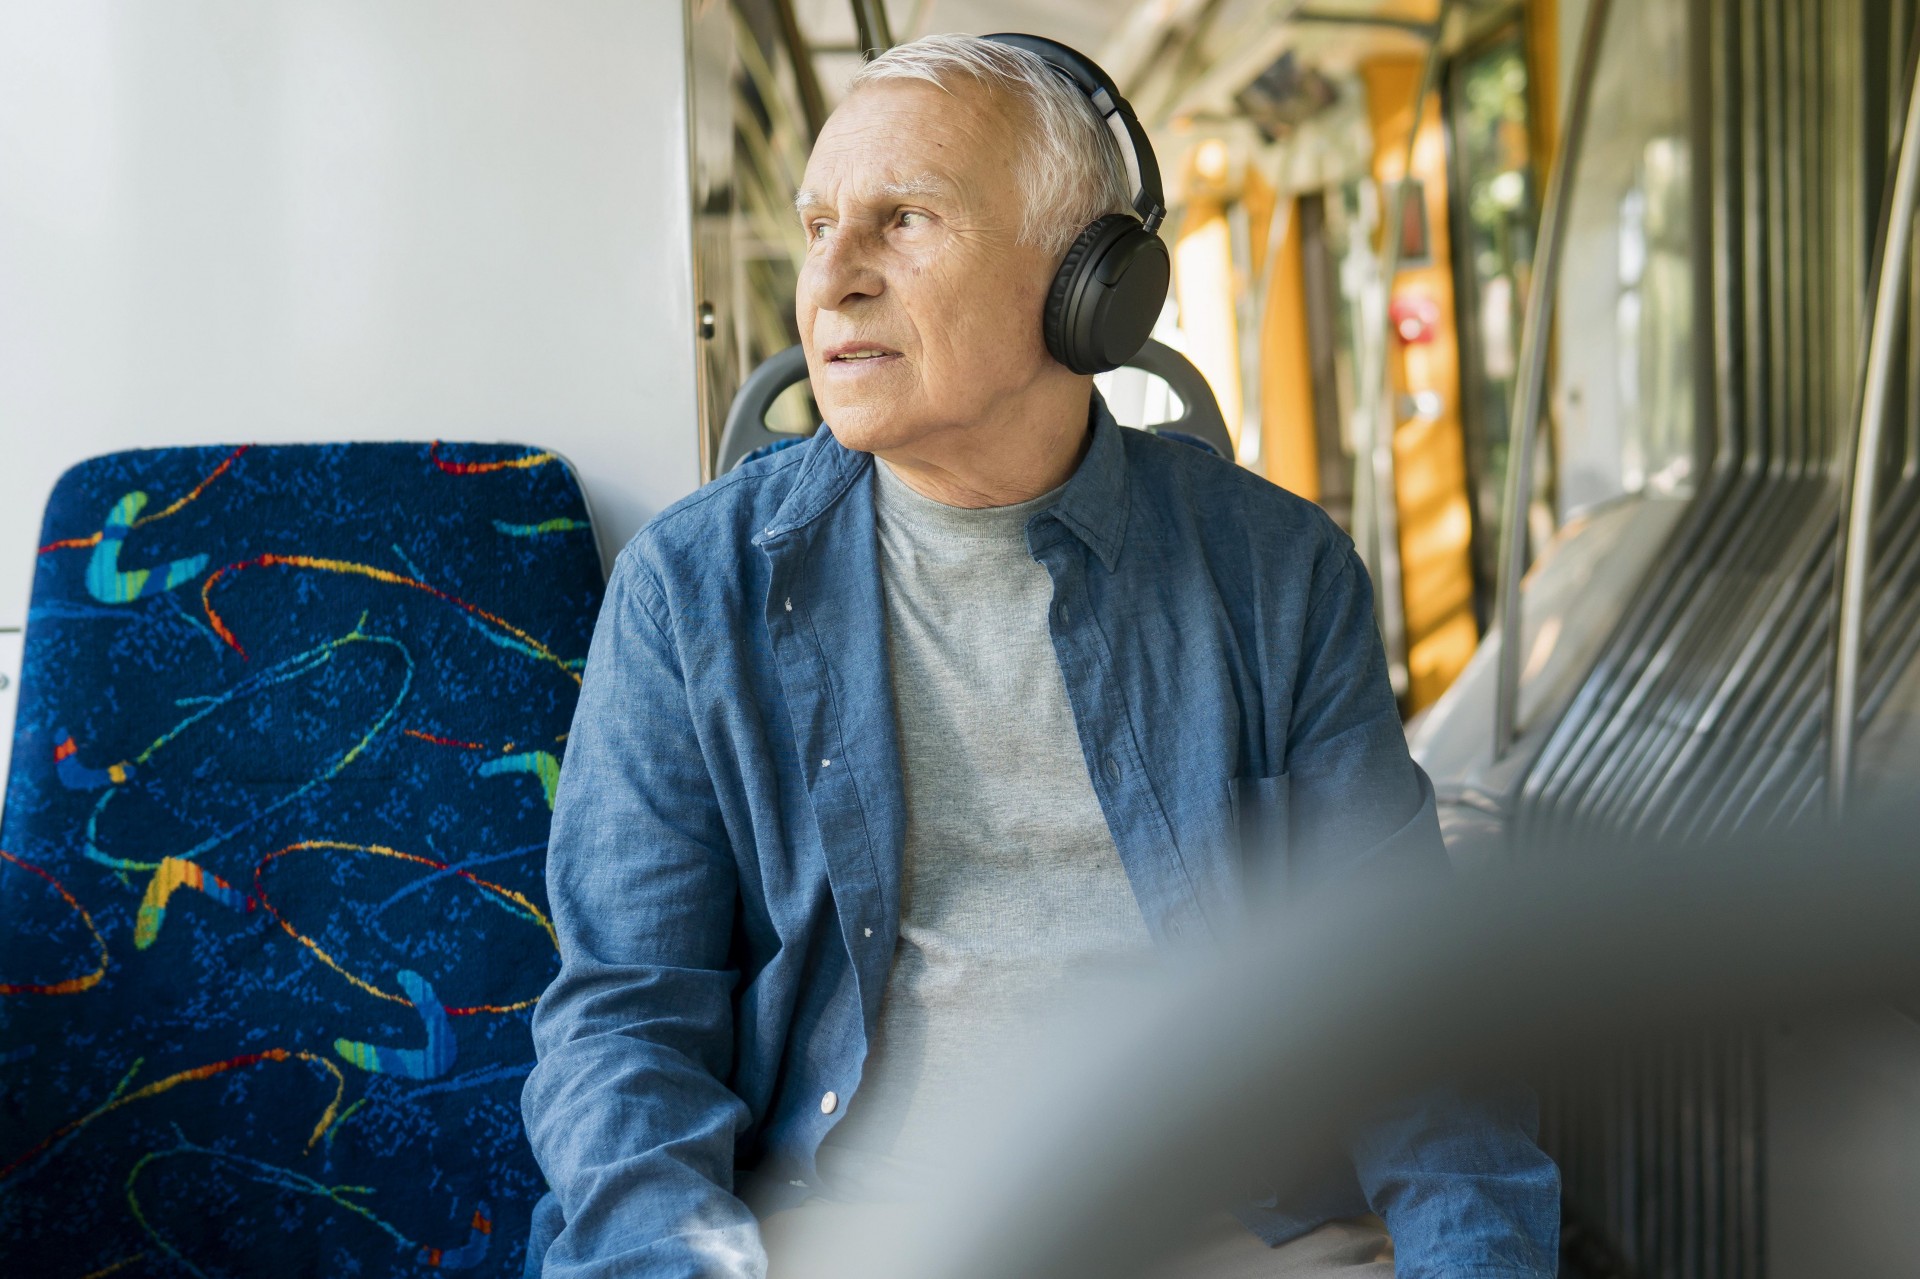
x=888, y=737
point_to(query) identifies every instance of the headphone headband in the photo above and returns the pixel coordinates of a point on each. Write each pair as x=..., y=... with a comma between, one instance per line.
x=1111, y=283
x=1084, y=74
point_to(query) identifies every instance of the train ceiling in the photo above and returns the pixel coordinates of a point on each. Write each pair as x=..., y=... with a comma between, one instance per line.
x=1178, y=56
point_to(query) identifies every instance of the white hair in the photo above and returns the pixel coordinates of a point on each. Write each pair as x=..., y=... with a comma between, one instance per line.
x=1072, y=171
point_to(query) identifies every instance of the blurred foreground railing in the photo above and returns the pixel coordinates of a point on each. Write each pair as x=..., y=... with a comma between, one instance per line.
x=1100, y=1162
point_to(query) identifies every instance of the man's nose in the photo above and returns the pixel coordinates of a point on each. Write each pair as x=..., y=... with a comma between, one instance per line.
x=843, y=271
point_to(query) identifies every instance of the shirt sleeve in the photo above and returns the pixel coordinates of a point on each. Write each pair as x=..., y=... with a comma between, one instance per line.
x=1466, y=1191
x=627, y=1109
x=1357, y=800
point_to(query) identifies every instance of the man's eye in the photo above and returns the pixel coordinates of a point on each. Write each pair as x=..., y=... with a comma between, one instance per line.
x=818, y=230
x=911, y=217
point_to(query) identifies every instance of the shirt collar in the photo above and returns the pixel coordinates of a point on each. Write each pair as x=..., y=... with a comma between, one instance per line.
x=1093, y=504
x=827, y=469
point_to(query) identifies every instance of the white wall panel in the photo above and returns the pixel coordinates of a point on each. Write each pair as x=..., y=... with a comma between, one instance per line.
x=228, y=220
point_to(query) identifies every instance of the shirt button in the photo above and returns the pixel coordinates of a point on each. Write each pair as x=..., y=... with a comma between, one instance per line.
x=801, y=1184
x=828, y=1102
x=826, y=763
x=866, y=932
x=1113, y=768
x=789, y=606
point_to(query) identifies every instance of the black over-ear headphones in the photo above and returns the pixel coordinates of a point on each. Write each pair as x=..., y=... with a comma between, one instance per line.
x=1113, y=280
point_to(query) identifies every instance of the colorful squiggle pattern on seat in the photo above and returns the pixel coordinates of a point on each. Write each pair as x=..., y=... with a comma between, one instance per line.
x=120, y=1097
x=66, y=986
x=75, y=775
x=174, y=508
x=540, y=529
x=375, y=574
x=297, y=667
x=174, y=873
x=272, y=899
x=343, y=1198
x=111, y=584
x=520, y=462
x=513, y=903
x=542, y=764
x=430, y=1062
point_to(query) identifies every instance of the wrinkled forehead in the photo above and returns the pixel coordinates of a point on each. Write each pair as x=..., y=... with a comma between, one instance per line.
x=876, y=188
x=906, y=140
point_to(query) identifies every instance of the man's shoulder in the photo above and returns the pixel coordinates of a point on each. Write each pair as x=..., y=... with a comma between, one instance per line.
x=1214, y=498
x=711, y=530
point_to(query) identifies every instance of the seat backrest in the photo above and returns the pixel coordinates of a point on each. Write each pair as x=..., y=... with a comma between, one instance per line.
x=747, y=434
x=272, y=914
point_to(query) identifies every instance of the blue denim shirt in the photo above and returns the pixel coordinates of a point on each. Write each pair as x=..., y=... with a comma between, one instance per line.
x=724, y=865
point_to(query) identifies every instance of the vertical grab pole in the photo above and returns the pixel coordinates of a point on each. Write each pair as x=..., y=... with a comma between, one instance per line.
x=1530, y=390
x=1375, y=454
x=1856, y=529
x=871, y=28
x=806, y=80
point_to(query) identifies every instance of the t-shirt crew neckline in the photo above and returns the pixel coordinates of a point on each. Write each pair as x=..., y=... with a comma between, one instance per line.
x=896, y=500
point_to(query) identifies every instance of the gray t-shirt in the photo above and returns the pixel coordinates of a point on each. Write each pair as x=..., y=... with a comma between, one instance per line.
x=1011, y=889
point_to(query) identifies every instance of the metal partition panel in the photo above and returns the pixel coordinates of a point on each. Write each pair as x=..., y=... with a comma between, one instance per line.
x=1707, y=713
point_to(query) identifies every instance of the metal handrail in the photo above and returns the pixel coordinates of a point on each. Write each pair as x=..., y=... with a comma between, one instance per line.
x=1530, y=390
x=874, y=32
x=1860, y=480
x=1374, y=460
x=806, y=80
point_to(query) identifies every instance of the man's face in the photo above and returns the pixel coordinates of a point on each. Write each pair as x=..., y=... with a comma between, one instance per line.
x=918, y=306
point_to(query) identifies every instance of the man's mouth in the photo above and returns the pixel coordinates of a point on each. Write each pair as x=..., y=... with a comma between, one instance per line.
x=856, y=354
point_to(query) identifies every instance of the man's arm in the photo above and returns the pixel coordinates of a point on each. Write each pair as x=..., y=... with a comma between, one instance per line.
x=1357, y=801
x=628, y=1110
x=1466, y=1192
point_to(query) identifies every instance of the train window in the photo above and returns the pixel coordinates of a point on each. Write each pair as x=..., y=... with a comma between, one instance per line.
x=1495, y=217
x=1139, y=398
x=1624, y=406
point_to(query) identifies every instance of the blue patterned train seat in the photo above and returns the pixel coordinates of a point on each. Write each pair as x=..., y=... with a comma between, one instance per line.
x=272, y=915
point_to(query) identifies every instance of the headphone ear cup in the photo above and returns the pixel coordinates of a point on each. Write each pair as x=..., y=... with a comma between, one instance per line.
x=1066, y=284
x=1106, y=295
